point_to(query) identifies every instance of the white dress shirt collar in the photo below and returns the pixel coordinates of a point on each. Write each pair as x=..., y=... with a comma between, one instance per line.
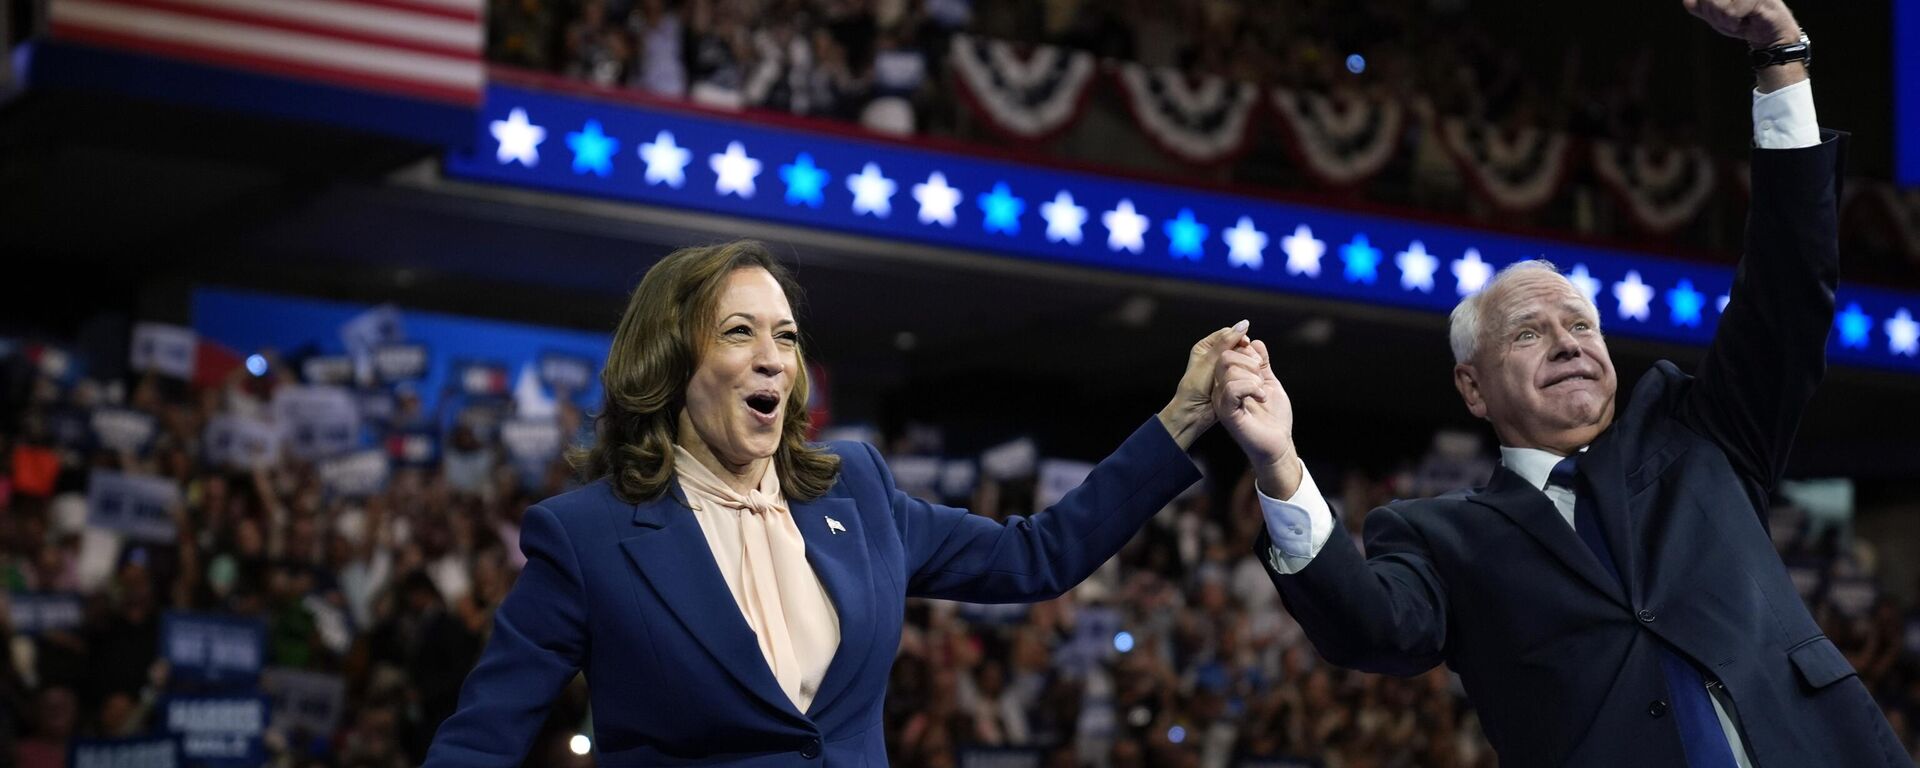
x=1531, y=464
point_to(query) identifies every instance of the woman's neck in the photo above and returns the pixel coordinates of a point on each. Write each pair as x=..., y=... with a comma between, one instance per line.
x=741, y=478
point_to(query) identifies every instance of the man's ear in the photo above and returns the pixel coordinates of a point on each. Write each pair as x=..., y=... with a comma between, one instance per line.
x=1467, y=380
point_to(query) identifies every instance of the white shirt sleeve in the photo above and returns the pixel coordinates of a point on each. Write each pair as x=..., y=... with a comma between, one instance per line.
x=1784, y=119
x=1299, y=526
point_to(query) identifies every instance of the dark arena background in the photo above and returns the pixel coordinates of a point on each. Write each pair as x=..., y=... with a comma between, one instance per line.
x=305, y=300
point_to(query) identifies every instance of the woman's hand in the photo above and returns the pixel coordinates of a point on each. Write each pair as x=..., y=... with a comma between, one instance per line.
x=1190, y=412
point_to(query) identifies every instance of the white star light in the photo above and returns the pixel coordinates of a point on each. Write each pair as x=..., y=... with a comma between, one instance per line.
x=1635, y=297
x=1303, y=252
x=1064, y=219
x=666, y=161
x=1903, y=334
x=873, y=193
x=937, y=200
x=735, y=171
x=1246, y=244
x=1585, y=283
x=1416, y=267
x=1471, y=273
x=1126, y=228
x=519, y=139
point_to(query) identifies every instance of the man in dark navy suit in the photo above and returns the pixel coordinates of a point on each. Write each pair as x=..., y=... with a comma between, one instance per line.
x=1611, y=597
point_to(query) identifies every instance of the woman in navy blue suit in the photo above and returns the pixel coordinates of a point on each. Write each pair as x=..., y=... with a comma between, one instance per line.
x=733, y=593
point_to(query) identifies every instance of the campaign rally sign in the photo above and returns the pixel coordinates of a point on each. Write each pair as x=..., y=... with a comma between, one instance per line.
x=481, y=379
x=999, y=757
x=360, y=473
x=139, y=506
x=241, y=442
x=564, y=373
x=414, y=448
x=219, y=730
x=396, y=363
x=1057, y=477
x=122, y=429
x=303, y=701
x=958, y=477
x=147, y=752
x=1010, y=460
x=916, y=475
x=33, y=613
x=531, y=441
x=372, y=329
x=209, y=648
x=335, y=370
x=319, y=421
x=169, y=350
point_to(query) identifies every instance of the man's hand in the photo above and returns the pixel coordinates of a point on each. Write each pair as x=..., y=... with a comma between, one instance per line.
x=1762, y=23
x=1255, y=409
x=1190, y=412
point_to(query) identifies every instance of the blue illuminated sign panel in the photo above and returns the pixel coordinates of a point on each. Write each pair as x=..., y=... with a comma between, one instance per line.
x=904, y=192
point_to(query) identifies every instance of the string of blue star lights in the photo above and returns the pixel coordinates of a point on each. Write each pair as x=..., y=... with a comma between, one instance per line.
x=902, y=192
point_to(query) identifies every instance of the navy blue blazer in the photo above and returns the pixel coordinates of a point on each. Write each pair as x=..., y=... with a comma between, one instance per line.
x=1560, y=659
x=630, y=595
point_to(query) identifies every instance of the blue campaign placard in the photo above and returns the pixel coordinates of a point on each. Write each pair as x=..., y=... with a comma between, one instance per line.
x=146, y=752
x=209, y=648
x=219, y=730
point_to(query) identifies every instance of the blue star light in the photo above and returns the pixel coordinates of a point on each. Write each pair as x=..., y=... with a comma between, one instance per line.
x=1002, y=209
x=805, y=181
x=1185, y=236
x=592, y=150
x=1854, y=327
x=1686, y=303
x=1363, y=260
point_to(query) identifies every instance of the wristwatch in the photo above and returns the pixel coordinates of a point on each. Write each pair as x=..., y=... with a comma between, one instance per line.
x=1799, y=50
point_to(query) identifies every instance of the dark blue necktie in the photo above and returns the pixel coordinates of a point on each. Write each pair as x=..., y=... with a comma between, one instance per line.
x=1700, y=734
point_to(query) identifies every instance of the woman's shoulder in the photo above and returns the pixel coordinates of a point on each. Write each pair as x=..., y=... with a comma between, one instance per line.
x=592, y=499
x=855, y=456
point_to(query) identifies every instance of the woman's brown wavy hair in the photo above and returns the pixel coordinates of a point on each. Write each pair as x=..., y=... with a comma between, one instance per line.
x=655, y=351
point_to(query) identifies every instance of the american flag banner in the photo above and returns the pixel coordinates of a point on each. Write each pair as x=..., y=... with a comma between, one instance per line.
x=421, y=49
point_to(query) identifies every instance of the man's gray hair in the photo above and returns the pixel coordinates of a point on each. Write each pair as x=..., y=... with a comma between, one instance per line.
x=1464, y=325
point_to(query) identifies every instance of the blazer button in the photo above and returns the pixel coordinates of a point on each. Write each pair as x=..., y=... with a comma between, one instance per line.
x=1656, y=708
x=1646, y=616
x=811, y=749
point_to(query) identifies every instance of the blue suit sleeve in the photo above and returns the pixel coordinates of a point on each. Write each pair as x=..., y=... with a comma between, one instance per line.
x=956, y=555
x=1384, y=613
x=1769, y=352
x=539, y=640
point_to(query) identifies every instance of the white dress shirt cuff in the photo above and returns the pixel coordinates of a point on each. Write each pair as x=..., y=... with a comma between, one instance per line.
x=1299, y=526
x=1785, y=119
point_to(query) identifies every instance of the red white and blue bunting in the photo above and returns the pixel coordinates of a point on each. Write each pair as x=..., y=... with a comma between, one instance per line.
x=1516, y=171
x=1343, y=139
x=1030, y=98
x=1201, y=122
x=1661, y=191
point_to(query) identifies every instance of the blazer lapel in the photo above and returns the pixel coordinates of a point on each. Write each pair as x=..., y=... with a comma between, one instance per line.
x=837, y=550
x=673, y=556
x=1529, y=508
x=1607, y=481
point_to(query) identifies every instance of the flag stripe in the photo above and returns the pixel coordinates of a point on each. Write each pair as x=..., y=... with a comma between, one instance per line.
x=464, y=96
x=446, y=9
x=380, y=65
x=403, y=31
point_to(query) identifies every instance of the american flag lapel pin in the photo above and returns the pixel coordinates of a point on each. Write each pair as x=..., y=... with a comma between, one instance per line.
x=834, y=526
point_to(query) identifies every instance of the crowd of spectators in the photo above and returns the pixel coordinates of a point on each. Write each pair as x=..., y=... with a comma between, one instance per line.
x=1176, y=653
